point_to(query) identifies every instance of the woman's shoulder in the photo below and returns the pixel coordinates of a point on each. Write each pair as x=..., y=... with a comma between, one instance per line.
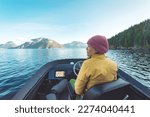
x=87, y=61
x=111, y=62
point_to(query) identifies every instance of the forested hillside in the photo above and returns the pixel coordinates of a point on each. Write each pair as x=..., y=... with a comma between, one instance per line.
x=136, y=37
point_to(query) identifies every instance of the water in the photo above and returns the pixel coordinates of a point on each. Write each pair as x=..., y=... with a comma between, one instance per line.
x=135, y=63
x=18, y=65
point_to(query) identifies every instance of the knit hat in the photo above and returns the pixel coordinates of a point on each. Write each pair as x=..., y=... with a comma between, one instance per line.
x=99, y=43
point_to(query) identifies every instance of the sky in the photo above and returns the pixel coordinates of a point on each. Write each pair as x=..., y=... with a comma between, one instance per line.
x=68, y=20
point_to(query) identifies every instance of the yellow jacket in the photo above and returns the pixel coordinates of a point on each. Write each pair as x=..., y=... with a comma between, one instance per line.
x=98, y=69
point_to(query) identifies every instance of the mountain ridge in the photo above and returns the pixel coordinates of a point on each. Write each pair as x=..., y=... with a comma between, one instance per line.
x=39, y=43
x=75, y=44
x=43, y=43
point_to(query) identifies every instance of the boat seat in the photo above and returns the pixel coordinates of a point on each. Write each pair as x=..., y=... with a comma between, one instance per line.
x=59, y=91
x=115, y=90
x=51, y=96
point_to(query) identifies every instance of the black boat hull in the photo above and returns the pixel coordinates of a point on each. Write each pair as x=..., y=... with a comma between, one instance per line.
x=39, y=86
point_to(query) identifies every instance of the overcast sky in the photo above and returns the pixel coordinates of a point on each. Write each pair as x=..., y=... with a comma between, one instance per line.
x=68, y=20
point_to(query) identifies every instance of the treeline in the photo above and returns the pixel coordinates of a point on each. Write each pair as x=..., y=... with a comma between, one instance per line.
x=137, y=36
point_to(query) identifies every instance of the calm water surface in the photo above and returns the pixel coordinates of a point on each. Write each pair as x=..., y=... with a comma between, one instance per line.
x=18, y=65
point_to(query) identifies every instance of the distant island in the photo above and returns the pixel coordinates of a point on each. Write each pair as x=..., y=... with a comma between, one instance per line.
x=9, y=44
x=42, y=43
x=135, y=37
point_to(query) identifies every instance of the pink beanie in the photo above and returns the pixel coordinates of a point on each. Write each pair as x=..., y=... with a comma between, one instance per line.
x=99, y=43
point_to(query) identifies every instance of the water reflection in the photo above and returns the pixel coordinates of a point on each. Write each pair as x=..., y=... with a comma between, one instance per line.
x=136, y=63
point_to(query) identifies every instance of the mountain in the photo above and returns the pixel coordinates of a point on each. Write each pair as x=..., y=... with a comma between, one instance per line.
x=43, y=43
x=135, y=37
x=9, y=44
x=40, y=43
x=75, y=44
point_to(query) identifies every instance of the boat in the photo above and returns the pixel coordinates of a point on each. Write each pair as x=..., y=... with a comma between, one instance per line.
x=53, y=82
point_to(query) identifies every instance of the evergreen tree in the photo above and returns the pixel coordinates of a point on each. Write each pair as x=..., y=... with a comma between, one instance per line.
x=137, y=36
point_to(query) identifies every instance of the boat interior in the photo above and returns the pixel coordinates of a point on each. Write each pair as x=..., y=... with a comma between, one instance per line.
x=53, y=82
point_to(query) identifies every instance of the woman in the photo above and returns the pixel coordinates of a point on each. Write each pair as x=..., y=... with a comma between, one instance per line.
x=98, y=68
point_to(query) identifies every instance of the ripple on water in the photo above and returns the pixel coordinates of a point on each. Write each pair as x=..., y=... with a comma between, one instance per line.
x=17, y=66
